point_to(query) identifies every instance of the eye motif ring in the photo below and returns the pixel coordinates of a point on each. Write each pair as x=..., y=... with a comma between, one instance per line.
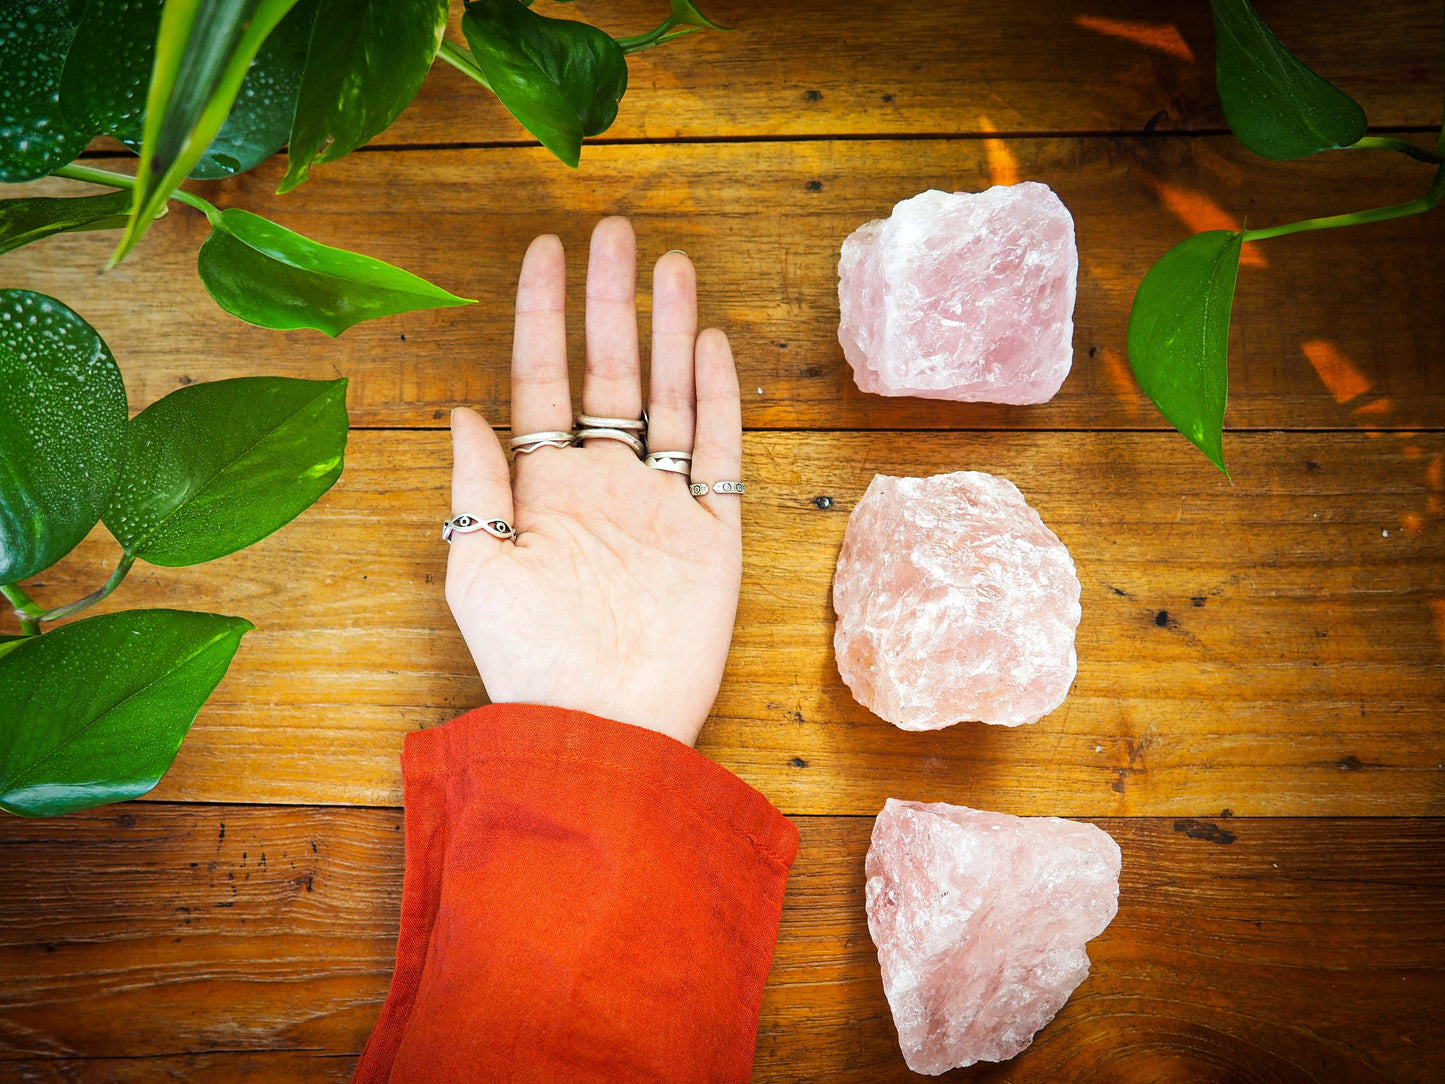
x=551, y=438
x=609, y=433
x=469, y=524
x=674, y=462
x=699, y=489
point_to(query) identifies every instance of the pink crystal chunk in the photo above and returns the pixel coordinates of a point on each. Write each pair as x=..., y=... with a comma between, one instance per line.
x=962, y=295
x=980, y=921
x=954, y=602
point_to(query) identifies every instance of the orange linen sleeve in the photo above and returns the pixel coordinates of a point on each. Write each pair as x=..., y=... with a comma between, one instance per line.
x=584, y=900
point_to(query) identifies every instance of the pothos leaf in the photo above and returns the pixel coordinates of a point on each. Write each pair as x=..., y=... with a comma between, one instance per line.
x=561, y=79
x=62, y=431
x=95, y=711
x=203, y=51
x=366, y=62
x=1179, y=336
x=214, y=467
x=269, y=276
x=108, y=72
x=30, y=219
x=1276, y=105
x=34, y=137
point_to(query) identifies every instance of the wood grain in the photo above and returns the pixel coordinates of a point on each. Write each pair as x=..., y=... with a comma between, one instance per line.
x=151, y=940
x=852, y=67
x=1273, y=645
x=764, y=223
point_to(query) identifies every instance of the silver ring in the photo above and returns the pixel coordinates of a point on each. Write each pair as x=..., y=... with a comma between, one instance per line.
x=551, y=438
x=698, y=489
x=675, y=462
x=607, y=433
x=468, y=524
x=632, y=425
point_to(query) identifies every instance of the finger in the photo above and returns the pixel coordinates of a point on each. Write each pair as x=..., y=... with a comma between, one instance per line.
x=612, y=386
x=671, y=415
x=481, y=486
x=718, y=449
x=541, y=399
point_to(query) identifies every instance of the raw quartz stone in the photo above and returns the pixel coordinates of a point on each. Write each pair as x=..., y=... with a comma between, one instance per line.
x=954, y=602
x=980, y=920
x=962, y=295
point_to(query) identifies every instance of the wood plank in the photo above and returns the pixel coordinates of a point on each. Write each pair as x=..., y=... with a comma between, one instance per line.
x=1273, y=645
x=854, y=67
x=1299, y=950
x=766, y=245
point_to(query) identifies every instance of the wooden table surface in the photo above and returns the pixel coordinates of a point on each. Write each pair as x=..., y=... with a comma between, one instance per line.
x=1257, y=716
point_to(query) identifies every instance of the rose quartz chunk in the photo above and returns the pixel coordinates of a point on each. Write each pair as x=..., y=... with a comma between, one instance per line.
x=980, y=921
x=962, y=296
x=954, y=602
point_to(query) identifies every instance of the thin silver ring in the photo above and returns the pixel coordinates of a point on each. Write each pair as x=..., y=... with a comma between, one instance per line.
x=673, y=462
x=632, y=425
x=699, y=489
x=620, y=435
x=465, y=523
x=550, y=438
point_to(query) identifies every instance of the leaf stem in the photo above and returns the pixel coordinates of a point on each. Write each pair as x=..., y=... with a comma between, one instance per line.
x=1405, y=147
x=25, y=608
x=95, y=596
x=1376, y=214
x=463, y=61
x=91, y=175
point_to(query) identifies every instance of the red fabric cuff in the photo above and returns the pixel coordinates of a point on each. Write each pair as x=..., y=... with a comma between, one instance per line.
x=584, y=900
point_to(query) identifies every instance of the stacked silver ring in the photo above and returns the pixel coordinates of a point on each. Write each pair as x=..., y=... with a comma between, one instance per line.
x=675, y=462
x=550, y=438
x=607, y=432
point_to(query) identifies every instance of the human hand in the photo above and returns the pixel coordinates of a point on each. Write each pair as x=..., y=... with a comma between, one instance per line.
x=619, y=595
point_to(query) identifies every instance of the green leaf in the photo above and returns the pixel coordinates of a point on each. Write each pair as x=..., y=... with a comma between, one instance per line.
x=366, y=62
x=34, y=137
x=10, y=643
x=1179, y=336
x=95, y=711
x=62, y=431
x=1275, y=105
x=214, y=467
x=271, y=277
x=108, y=69
x=260, y=120
x=561, y=79
x=26, y=220
x=203, y=51
x=684, y=14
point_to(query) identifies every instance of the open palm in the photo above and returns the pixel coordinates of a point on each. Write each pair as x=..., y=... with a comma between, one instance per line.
x=618, y=598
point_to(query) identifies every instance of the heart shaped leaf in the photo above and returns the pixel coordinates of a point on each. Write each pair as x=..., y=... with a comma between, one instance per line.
x=108, y=69
x=202, y=53
x=269, y=276
x=95, y=711
x=561, y=79
x=1277, y=106
x=108, y=75
x=26, y=220
x=214, y=467
x=1179, y=336
x=260, y=119
x=62, y=431
x=34, y=137
x=366, y=62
